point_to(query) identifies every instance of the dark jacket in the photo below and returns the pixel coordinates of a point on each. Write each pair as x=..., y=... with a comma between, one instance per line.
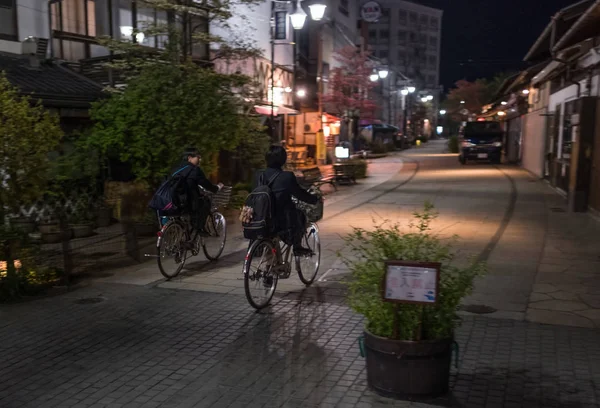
x=195, y=177
x=284, y=187
x=288, y=218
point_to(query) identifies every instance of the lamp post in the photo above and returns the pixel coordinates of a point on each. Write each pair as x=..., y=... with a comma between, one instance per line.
x=297, y=18
x=406, y=93
x=317, y=12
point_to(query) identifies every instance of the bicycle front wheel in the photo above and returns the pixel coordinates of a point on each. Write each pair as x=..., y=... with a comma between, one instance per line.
x=260, y=279
x=213, y=246
x=172, y=253
x=308, y=265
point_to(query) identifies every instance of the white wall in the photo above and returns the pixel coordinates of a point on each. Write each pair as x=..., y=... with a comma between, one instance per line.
x=252, y=24
x=33, y=19
x=533, y=148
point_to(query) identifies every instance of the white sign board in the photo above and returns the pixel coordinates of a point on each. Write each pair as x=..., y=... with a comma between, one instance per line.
x=411, y=282
x=370, y=12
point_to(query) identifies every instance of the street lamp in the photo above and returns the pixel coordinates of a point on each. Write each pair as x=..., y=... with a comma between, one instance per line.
x=443, y=112
x=404, y=92
x=383, y=73
x=298, y=17
x=301, y=93
x=411, y=89
x=317, y=11
x=374, y=76
x=462, y=102
x=429, y=97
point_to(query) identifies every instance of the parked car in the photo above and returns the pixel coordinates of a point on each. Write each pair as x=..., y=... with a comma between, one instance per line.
x=481, y=141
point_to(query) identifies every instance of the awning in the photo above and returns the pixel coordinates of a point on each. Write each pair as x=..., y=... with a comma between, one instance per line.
x=277, y=110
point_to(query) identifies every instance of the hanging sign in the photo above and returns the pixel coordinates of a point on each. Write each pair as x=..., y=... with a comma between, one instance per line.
x=411, y=282
x=370, y=12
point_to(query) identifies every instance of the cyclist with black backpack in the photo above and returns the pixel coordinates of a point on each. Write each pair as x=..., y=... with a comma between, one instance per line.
x=270, y=209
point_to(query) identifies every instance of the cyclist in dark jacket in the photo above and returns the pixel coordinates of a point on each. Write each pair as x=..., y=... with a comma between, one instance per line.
x=197, y=203
x=290, y=222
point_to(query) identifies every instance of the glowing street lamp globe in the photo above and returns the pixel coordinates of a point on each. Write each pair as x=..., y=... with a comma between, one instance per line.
x=317, y=11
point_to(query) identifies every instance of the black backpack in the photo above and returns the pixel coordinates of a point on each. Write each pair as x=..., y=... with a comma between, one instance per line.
x=259, y=208
x=169, y=199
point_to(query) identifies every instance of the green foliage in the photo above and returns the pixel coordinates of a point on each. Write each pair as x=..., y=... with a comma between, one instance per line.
x=166, y=109
x=453, y=144
x=21, y=271
x=370, y=249
x=28, y=133
x=359, y=167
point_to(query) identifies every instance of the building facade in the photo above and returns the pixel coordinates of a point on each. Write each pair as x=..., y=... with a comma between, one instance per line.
x=407, y=38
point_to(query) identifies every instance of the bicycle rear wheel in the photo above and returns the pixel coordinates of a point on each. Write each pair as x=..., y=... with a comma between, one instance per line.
x=308, y=265
x=171, y=249
x=260, y=280
x=213, y=245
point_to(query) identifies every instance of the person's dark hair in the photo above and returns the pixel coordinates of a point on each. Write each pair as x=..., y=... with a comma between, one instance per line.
x=276, y=157
x=190, y=152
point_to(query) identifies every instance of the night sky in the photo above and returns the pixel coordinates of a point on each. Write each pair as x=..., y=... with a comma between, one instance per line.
x=482, y=37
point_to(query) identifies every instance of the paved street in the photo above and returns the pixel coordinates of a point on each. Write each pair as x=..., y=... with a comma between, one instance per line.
x=130, y=339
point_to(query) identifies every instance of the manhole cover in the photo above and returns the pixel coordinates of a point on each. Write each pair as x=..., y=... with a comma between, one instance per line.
x=89, y=301
x=478, y=309
x=556, y=209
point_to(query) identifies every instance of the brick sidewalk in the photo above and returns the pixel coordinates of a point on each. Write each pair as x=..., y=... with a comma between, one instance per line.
x=149, y=347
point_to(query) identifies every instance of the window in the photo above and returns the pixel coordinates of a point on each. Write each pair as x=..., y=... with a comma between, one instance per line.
x=432, y=61
x=372, y=36
x=280, y=25
x=431, y=80
x=433, y=43
x=385, y=15
x=423, y=39
x=434, y=23
x=384, y=54
x=343, y=7
x=413, y=19
x=74, y=17
x=423, y=20
x=401, y=57
x=412, y=37
x=402, y=17
x=402, y=37
x=384, y=35
x=8, y=20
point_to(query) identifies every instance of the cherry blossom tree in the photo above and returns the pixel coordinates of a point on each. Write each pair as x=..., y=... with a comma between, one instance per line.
x=349, y=84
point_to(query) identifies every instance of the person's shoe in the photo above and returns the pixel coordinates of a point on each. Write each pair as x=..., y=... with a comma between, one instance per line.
x=301, y=251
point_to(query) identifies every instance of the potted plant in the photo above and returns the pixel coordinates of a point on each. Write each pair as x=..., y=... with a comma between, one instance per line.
x=407, y=346
x=48, y=225
x=24, y=224
x=82, y=219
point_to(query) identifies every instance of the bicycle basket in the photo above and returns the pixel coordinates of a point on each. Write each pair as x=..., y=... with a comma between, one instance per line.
x=313, y=213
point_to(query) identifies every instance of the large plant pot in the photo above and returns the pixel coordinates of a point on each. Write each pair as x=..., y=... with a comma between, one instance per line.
x=407, y=369
x=23, y=224
x=49, y=228
x=82, y=230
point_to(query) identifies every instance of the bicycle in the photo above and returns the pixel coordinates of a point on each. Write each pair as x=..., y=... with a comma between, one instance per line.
x=176, y=231
x=274, y=262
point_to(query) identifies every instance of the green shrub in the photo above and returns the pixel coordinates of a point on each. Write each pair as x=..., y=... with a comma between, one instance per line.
x=21, y=270
x=453, y=144
x=370, y=249
x=359, y=167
